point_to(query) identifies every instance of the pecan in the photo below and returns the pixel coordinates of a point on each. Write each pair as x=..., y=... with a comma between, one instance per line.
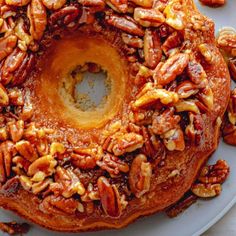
x=142, y=117
x=7, y=44
x=214, y=174
x=91, y=194
x=54, y=4
x=86, y=158
x=7, y=151
x=26, y=150
x=13, y=228
x=165, y=121
x=213, y=3
x=173, y=41
x=42, y=167
x=152, y=48
x=232, y=108
x=57, y=148
x=4, y=99
x=206, y=51
x=24, y=39
x=66, y=183
x=58, y=205
x=206, y=190
x=17, y=3
x=132, y=41
x=16, y=130
x=140, y=176
x=148, y=17
x=184, y=203
x=186, y=89
x=232, y=68
x=173, y=67
x=3, y=134
x=25, y=182
x=206, y=97
x=41, y=186
x=143, y=3
x=150, y=95
x=110, y=198
x=175, y=16
x=27, y=109
x=42, y=146
x=15, y=97
x=37, y=15
x=120, y=6
x=174, y=139
x=227, y=42
x=125, y=24
x=187, y=105
x=196, y=72
x=21, y=165
x=64, y=16
x=16, y=67
x=229, y=134
x=113, y=165
x=121, y=143
x=194, y=130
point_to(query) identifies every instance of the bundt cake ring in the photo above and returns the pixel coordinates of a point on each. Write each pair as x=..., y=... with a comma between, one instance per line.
x=141, y=149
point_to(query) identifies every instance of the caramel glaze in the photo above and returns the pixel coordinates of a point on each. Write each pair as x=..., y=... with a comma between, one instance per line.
x=164, y=191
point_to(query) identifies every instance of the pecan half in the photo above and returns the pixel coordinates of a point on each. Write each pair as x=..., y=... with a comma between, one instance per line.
x=113, y=165
x=4, y=99
x=126, y=24
x=17, y=3
x=16, y=130
x=7, y=44
x=120, y=143
x=148, y=17
x=214, y=174
x=172, y=42
x=186, y=89
x=213, y=3
x=143, y=3
x=13, y=228
x=54, y=4
x=152, y=48
x=150, y=95
x=7, y=151
x=110, y=198
x=140, y=175
x=37, y=15
x=58, y=205
x=132, y=40
x=120, y=6
x=26, y=150
x=232, y=68
x=86, y=158
x=206, y=190
x=173, y=67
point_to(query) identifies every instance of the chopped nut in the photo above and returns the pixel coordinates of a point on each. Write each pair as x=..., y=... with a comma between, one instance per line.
x=26, y=150
x=206, y=52
x=206, y=190
x=16, y=130
x=57, y=148
x=140, y=175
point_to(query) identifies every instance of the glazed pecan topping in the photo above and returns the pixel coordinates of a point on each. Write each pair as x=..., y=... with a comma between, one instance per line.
x=140, y=175
x=213, y=3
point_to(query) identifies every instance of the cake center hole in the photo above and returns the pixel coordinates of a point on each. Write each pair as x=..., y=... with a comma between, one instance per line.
x=91, y=87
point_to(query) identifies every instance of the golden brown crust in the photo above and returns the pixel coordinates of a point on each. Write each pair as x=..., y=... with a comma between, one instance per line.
x=169, y=181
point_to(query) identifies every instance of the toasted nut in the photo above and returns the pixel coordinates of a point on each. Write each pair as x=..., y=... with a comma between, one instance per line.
x=3, y=134
x=206, y=190
x=36, y=13
x=188, y=105
x=175, y=16
x=113, y=165
x=16, y=130
x=26, y=183
x=7, y=45
x=215, y=174
x=173, y=67
x=186, y=89
x=86, y=158
x=45, y=164
x=54, y=4
x=4, y=99
x=110, y=198
x=152, y=48
x=57, y=148
x=207, y=53
x=120, y=144
x=207, y=97
x=26, y=150
x=17, y=3
x=120, y=6
x=140, y=176
x=213, y=3
x=148, y=17
x=125, y=24
x=143, y=3
x=172, y=42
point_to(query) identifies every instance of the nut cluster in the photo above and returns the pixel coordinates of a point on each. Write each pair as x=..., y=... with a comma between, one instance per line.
x=166, y=115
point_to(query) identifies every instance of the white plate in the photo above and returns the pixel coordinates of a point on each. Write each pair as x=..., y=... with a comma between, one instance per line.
x=199, y=217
